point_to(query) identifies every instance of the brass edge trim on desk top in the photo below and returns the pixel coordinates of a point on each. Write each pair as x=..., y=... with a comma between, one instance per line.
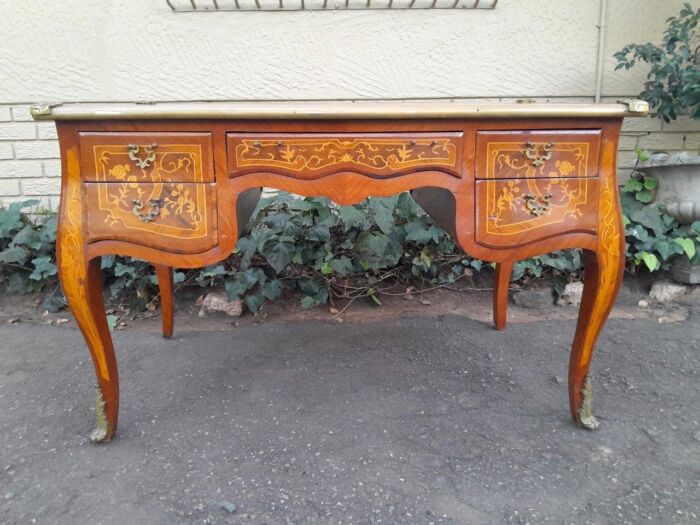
x=349, y=109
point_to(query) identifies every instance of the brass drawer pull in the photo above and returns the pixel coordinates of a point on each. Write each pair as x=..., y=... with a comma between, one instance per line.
x=538, y=206
x=155, y=205
x=532, y=153
x=149, y=151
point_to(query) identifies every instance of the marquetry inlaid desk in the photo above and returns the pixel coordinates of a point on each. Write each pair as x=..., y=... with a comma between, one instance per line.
x=174, y=184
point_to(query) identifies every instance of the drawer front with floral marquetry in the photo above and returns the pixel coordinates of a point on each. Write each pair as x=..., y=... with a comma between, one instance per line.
x=310, y=156
x=175, y=216
x=146, y=157
x=537, y=154
x=517, y=211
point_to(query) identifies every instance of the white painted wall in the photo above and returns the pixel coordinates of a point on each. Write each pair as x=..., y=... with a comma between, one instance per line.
x=75, y=50
x=126, y=50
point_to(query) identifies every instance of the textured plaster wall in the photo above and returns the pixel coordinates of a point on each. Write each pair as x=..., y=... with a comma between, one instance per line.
x=73, y=50
x=125, y=50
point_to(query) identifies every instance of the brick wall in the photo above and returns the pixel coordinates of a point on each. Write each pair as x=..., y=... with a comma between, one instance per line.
x=654, y=135
x=29, y=158
x=30, y=167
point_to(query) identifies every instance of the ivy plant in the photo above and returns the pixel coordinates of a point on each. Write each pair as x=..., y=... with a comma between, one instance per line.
x=329, y=254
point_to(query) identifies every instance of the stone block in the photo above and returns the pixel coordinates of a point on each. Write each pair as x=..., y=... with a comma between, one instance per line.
x=9, y=187
x=41, y=186
x=21, y=114
x=636, y=124
x=17, y=131
x=10, y=169
x=6, y=151
x=627, y=142
x=662, y=141
x=665, y=291
x=46, y=130
x=534, y=298
x=51, y=168
x=682, y=124
x=37, y=149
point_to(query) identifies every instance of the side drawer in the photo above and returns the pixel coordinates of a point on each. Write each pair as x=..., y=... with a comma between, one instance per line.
x=146, y=157
x=514, y=212
x=310, y=156
x=536, y=153
x=177, y=217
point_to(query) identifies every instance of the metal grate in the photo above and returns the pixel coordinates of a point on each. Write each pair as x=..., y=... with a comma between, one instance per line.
x=320, y=5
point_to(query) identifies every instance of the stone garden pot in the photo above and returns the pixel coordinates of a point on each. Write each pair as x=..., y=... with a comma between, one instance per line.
x=678, y=194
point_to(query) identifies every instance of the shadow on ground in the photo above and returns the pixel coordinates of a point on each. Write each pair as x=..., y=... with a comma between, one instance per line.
x=428, y=419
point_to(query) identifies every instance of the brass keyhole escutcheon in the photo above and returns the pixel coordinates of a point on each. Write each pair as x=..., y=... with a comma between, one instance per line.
x=538, y=206
x=533, y=155
x=146, y=161
x=151, y=214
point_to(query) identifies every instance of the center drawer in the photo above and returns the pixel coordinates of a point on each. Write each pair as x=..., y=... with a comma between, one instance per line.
x=146, y=157
x=310, y=156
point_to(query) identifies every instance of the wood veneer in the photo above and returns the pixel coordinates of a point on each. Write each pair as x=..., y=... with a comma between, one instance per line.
x=450, y=189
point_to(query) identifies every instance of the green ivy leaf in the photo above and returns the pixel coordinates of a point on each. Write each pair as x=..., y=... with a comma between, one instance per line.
x=632, y=185
x=278, y=252
x=382, y=214
x=28, y=237
x=253, y=302
x=307, y=302
x=649, y=217
x=272, y=289
x=376, y=250
x=650, y=184
x=112, y=322
x=14, y=255
x=43, y=268
x=124, y=270
x=642, y=154
x=353, y=217
x=644, y=196
x=688, y=246
x=342, y=266
x=650, y=260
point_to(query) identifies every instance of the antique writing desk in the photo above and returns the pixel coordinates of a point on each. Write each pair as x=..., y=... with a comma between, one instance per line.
x=174, y=184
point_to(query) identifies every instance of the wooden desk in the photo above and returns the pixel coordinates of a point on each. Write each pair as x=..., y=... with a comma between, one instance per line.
x=175, y=183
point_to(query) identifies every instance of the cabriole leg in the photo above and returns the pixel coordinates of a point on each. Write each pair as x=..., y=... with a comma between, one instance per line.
x=601, y=283
x=500, y=294
x=165, y=283
x=82, y=286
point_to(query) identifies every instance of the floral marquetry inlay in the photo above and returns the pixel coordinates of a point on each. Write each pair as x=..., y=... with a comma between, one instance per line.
x=172, y=162
x=153, y=214
x=510, y=160
x=508, y=210
x=375, y=156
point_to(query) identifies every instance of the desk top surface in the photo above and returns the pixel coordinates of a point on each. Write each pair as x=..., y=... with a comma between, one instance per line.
x=329, y=109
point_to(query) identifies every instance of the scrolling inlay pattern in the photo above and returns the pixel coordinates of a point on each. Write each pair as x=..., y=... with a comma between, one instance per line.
x=509, y=160
x=312, y=154
x=510, y=208
x=182, y=208
x=73, y=264
x=173, y=162
x=609, y=255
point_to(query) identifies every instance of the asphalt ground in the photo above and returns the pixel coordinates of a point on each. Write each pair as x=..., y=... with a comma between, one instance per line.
x=417, y=419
